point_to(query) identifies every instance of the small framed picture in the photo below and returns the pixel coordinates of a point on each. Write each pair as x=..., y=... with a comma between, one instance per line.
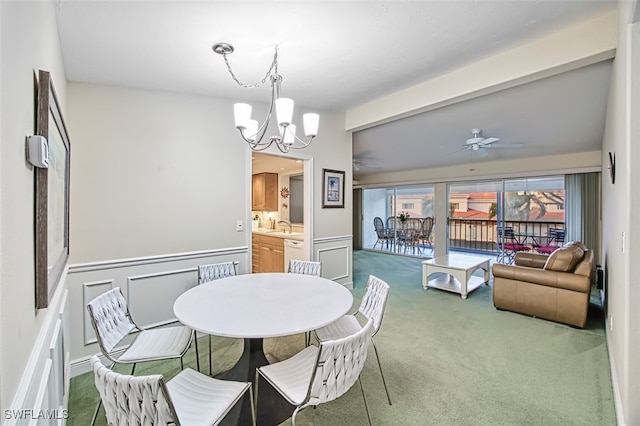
x=332, y=188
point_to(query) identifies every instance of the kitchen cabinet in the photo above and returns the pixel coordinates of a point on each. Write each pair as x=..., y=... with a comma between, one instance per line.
x=268, y=254
x=264, y=193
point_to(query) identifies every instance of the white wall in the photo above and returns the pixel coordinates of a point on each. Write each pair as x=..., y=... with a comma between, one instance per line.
x=29, y=42
x=158, y=181
x=621, y=209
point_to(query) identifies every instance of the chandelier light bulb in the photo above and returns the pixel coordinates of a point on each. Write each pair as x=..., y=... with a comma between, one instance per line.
x=289, y=134
x=284, y=111
x=310, y=121
x=251, y=131
x=242, y=115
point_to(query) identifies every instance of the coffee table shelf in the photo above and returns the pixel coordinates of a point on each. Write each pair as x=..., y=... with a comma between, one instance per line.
x=458, y=270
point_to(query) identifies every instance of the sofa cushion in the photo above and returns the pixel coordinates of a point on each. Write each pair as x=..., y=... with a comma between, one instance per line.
x=564, y=259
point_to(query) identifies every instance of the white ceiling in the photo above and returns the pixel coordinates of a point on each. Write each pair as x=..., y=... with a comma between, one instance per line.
x=338, y=55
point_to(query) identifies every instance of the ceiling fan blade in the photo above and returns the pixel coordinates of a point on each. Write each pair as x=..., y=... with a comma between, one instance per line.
x=488, y=141
x=507, y=145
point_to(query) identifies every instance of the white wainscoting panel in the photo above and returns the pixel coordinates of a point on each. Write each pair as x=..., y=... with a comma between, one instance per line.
x=43, y=392
x=151, y=296
x=336, y=254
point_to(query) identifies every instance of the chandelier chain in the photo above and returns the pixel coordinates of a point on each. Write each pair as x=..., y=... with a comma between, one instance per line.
x=273, y=69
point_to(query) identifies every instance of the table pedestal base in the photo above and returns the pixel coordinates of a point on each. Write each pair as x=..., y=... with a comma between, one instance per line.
x=273, y=409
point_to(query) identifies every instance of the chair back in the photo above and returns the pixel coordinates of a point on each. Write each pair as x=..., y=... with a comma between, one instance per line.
x=378, y=226
x=338, y=365
x=427, y=225
x=506, y=233
x=216, y=271
x=374, y=301
x=414, y=224
x=556, y=235
x=110, y=319
x=393, y=222
x=133, y=400
x=305, y=267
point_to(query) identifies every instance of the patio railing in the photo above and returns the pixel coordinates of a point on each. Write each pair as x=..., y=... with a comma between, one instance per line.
x=477, y=235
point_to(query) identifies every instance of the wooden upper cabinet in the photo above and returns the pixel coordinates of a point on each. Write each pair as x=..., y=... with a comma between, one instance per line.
x=264, y=192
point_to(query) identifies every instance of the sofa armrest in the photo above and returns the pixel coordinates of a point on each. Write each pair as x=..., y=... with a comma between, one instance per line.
x=530, y=260
x=564, y=280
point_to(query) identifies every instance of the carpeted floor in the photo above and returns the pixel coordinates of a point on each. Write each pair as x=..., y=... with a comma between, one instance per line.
x=447, y=361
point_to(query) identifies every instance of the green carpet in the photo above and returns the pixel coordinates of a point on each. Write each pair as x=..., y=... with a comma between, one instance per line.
x=447, y=361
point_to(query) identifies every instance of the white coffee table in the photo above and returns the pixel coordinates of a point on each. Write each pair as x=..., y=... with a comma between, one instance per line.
x=459, y=271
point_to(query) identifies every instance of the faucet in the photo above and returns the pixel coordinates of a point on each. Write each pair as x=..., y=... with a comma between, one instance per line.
x=286, y=222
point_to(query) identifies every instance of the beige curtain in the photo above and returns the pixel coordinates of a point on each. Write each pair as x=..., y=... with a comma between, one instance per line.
x=582, y=210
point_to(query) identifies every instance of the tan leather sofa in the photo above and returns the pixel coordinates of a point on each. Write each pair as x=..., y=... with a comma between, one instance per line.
x=556, y=287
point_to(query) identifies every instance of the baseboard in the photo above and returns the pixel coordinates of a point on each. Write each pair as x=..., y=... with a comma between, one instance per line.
x=615, y=384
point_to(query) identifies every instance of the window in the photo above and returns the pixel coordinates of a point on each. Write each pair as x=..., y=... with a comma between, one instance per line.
x=407, y=206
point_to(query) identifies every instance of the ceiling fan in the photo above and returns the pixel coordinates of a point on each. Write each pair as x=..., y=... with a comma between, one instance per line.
x=357, y=165
x=480, y=144
x=363, y=162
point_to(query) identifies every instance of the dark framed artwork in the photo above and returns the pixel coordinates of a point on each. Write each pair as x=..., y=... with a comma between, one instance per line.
x=332, y=188
x=51, y=194
x=612, y=167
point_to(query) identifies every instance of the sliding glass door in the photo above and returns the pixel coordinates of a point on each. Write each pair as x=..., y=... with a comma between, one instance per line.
x=402, y=212
x=531, y=211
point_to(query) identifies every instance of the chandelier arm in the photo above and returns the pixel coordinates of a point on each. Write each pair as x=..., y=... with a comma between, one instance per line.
x=274, y=66
x=304, y=143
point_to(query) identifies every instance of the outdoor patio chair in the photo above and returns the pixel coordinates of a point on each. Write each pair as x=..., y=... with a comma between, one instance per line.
x=384, y=234
x=556, y=240
x=508, y=245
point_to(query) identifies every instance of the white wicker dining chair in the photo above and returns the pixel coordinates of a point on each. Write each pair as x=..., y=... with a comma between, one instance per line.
x=372, y=308
x=319, y=374
x=305, y=267
x=112, y=322
x=190, y=398
x=212, y=272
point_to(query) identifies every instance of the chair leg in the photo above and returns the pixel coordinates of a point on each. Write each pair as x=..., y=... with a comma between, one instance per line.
x=366, y=406
x=381, y=373
x=253, y=407
x=210, y=369
x=195, y=338
x=95, y=413
x=255, y=392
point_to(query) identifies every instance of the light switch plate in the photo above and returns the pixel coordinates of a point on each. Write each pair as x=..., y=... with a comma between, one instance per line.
x=239, y=226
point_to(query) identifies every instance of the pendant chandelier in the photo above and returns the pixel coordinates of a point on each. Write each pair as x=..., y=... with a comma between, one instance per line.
x=254, y=134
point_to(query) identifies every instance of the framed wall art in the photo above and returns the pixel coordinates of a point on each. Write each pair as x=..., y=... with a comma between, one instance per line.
x=332, y=188
x=51, y=194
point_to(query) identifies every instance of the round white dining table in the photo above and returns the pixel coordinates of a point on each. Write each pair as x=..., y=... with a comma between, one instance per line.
x=262, y=305
x=258, y=306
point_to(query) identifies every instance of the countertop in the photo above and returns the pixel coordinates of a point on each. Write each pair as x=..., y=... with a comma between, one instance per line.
x=299, y=236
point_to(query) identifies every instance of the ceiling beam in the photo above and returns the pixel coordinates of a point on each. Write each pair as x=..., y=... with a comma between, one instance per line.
x=578, y=46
